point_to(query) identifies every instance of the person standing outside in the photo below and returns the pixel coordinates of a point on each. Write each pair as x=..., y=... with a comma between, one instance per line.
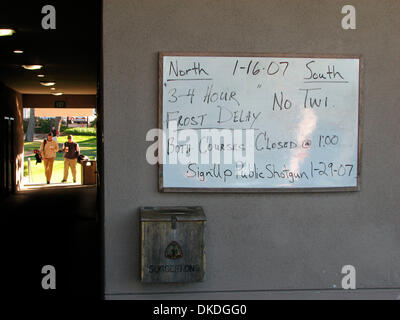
x=48, y=151
x=71, y=154
x=54, y=132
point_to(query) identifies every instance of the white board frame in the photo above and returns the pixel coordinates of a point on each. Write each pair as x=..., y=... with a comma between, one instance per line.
x=258, y=55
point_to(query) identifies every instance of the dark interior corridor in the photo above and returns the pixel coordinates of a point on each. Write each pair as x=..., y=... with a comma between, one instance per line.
x=58, y=227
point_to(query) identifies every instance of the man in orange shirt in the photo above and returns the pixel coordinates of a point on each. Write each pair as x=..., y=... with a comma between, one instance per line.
x=48, y=151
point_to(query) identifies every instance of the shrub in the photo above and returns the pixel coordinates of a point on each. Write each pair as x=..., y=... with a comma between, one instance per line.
x=44, y=125
x=81, y=131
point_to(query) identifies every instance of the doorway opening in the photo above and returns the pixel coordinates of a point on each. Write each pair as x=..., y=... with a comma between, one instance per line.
x=68, y=126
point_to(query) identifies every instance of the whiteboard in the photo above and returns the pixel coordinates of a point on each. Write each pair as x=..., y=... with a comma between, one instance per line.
x=258, y=122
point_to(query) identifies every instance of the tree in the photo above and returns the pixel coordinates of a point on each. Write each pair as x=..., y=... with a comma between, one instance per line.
x=58, y=124
x=31, y=126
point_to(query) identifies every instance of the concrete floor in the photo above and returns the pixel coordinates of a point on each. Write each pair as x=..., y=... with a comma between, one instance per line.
x=56, y=226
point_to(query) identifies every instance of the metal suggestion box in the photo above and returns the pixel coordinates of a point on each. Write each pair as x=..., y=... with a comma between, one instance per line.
x=172, y=244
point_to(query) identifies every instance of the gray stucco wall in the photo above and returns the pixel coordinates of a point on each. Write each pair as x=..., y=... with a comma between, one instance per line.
x=255, y=242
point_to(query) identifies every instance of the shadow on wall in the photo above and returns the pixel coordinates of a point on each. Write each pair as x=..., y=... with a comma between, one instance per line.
x=11, y=107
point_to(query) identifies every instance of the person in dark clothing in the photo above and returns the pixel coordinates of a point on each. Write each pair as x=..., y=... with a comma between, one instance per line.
x=71, y=154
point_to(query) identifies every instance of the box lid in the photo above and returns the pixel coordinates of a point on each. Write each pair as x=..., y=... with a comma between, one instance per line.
x=150, y=214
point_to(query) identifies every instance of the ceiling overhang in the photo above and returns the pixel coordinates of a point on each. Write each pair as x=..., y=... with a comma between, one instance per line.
x=49, y=100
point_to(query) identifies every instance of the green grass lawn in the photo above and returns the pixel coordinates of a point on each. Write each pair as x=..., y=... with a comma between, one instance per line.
x=88, y=147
